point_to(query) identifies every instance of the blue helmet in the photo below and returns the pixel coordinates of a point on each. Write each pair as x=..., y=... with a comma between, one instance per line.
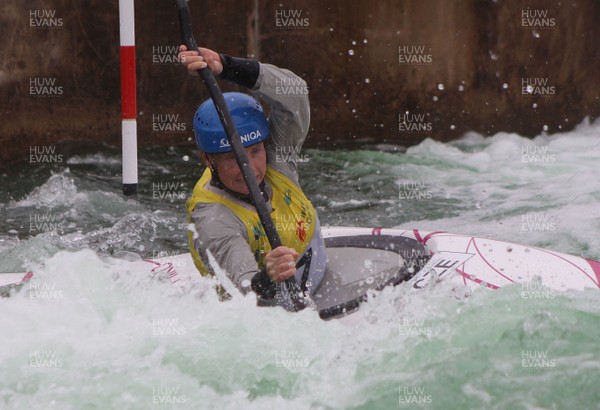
x=248, y=117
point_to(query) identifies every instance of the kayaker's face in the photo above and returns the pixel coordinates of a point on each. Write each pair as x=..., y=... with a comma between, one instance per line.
x=229, y=171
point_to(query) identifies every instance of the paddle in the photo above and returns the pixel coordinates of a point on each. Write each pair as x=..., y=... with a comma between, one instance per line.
x=187, y=36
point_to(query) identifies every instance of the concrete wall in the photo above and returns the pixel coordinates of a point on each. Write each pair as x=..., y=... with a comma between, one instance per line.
x=358, y=58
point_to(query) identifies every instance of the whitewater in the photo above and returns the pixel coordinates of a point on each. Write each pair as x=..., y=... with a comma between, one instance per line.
x=89, y=332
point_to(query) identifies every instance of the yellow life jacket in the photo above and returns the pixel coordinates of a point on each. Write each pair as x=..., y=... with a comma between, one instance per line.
x=293, y=215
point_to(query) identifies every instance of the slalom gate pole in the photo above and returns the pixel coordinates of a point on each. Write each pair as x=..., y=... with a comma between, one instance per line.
x=128, y=97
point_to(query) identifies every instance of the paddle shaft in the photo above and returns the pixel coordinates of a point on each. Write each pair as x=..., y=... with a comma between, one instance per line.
x=233, y=136
x=230, y=130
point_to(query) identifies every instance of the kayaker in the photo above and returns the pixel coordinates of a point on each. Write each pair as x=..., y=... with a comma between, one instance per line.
x=225, y=222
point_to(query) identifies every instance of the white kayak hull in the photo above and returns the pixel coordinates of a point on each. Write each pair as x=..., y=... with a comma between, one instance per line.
x=11, y=278
x=493, y=264
x=466, y=260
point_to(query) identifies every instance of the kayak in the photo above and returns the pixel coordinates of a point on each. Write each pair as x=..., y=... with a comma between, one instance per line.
x=360, y=260
x=11, y=280
x=363, y=259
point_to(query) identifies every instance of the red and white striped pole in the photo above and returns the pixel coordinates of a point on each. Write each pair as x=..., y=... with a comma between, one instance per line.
x=128, y=99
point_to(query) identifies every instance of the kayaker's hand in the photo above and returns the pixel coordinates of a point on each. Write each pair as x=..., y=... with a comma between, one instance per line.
x=280, y=263
x=194, y=61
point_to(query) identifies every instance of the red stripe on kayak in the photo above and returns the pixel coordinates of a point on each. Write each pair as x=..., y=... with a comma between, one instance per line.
x=574, y=265
x=596, y=268
x=27, y=276
x=472, y=241
x=477, y=280
x=128, y=100
x=430, y=235
x=376, y=231
x=418, y=237
x=426, y=238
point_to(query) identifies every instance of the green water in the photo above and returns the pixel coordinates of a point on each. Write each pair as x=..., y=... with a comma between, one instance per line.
x=90, y=334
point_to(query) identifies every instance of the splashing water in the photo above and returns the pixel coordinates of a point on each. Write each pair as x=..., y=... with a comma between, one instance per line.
x=88, y=331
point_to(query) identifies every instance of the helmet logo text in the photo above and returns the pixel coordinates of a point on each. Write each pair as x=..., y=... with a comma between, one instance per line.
x=249, y=137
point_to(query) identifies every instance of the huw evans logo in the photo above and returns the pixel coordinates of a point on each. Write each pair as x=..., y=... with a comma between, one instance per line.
x=537, y=86
x=167, y=327
x=43, y=290
x=287, y=287
x=45, y=223
x=44, y=358
x=168, y=395
x=167, y=123
x=536, y=290
x=289, y=154
x=285, y=222
x=413, y=123
x=44, y=154
x=290, y=86
x=414, y=327
x=291, y=19
x=285, y=290
x=165, y=55
x=536, y=19
x=410, y=396
x=414, y=55
x=45, y=87
x=414, y=190
x=45, y=19
x=537, y=221
x=537, y=155
x=536, y=359
x=290, y=359
x=168, y=191
x=412, y=259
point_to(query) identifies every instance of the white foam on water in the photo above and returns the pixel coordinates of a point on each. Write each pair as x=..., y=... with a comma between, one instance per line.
x=94, y=159
x=91, y=330
x=59, y=190
x=543, y=192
